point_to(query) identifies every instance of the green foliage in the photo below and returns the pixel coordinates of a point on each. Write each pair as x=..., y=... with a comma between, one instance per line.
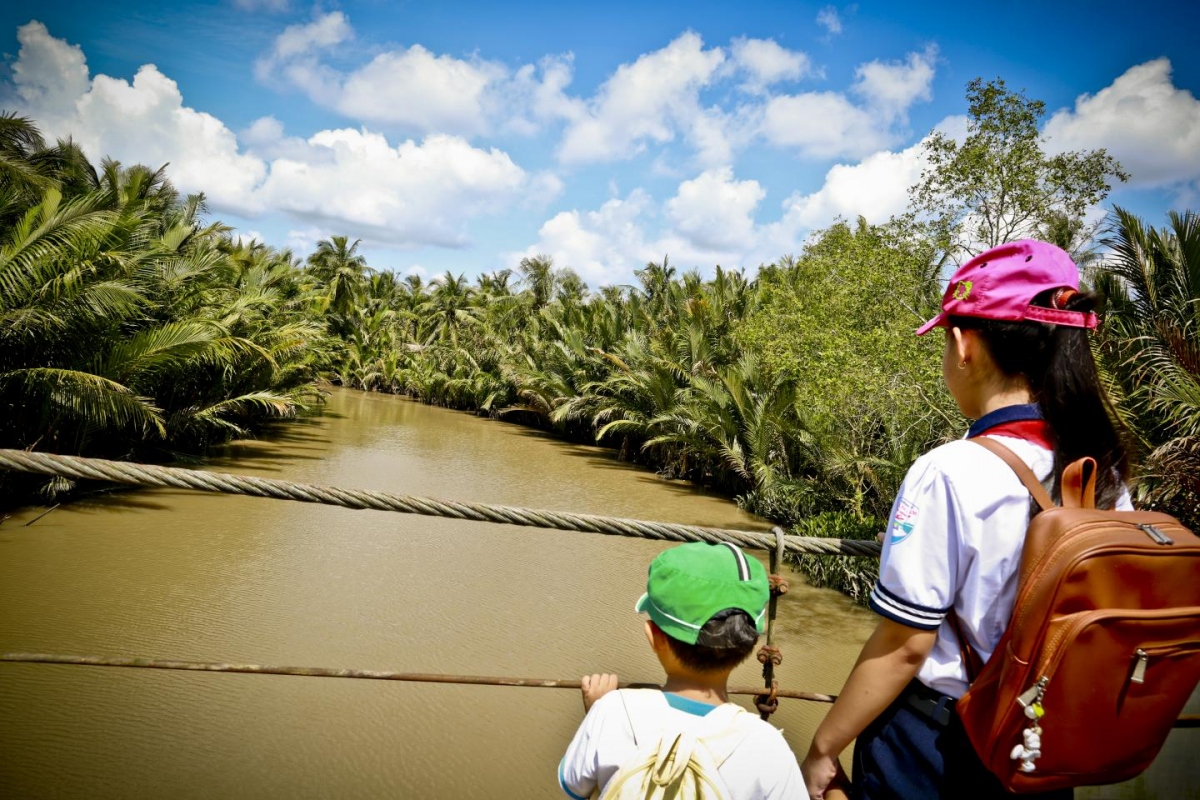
x=838, y=324
x=1150, y=349
x=999, y=185
x=128, y=327
x=852, y=575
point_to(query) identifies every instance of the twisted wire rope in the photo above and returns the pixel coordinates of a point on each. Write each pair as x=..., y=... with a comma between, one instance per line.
x=174, y=477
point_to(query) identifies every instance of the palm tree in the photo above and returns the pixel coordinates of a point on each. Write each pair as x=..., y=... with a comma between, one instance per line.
x=338, y=266
x=449, y=307
x=539, y=279
x=1151, y=349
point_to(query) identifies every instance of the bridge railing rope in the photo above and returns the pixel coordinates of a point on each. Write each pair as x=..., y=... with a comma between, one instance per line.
x=124, y=472
x=129, y=473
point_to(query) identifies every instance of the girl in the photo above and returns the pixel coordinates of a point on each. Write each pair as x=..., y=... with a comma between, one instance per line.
x=1017, y=361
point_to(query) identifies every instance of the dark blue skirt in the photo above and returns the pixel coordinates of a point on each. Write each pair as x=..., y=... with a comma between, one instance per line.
x=905, y=755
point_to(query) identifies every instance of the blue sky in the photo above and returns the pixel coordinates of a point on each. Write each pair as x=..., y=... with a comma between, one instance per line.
x=464, y=136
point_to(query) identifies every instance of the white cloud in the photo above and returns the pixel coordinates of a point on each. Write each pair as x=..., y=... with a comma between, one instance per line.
x=768, y=63
x=421, y=91
x=603, y=246
x=416, y=89
x=408, y=194
x=1142, y=119
x=304, y=240
x=876, y=188
x=709, y=221
x=143, y=121
x=829, y=19
x=830, y=125
x=823, y=125
x=651, y=100
x=322, y=33
x=246, y=237
x=892, y=88
x=715, y=212
x=411, y=194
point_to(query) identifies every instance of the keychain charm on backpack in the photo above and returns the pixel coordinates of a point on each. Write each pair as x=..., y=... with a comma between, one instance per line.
x=1030, y=748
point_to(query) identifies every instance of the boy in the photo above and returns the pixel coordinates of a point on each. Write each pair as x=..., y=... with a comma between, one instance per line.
x=707, y=605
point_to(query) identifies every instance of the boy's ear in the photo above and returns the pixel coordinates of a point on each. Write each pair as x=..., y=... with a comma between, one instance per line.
x=651, y=629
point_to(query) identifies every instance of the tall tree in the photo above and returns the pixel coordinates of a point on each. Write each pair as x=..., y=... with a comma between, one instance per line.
x=1000, y=184
x=342, y=269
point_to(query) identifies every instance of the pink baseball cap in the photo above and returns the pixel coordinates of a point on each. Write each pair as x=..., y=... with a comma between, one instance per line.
x=1002, y=282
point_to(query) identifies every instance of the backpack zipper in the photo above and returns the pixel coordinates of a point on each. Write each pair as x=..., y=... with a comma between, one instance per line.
x=1155, y=534
x=1139, y=667
x=1162, y=651
x=1037, y=691
x=1102, y=549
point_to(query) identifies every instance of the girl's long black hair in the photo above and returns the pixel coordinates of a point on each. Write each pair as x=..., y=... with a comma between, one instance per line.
x=1057, y=362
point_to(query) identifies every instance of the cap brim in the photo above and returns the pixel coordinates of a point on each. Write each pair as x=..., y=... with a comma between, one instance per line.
x=939, y=321
x=642, y=602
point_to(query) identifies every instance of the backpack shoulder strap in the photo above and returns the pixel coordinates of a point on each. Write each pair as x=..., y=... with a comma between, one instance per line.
x=644, y=710
x=1040, y=495
x=724, y=729
x=972, y=663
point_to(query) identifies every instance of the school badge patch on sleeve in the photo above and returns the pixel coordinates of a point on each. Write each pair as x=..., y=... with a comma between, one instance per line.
x=902, y=523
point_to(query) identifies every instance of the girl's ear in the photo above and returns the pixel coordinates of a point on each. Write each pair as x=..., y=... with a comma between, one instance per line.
x=964, y=346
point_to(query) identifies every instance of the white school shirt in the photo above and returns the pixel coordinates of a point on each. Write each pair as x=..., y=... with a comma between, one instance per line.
x=954, y=542
x=762, y=767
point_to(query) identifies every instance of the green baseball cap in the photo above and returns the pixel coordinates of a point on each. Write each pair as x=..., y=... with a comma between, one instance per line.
x=691, y=583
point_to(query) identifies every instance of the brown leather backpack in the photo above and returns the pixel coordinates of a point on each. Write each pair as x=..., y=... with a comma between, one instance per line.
x=1103, y=647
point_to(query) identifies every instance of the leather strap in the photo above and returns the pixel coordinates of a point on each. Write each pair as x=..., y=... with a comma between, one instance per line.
x=971, y=660
x=1085, y=490
x=1079, y=484
x=1040, y=495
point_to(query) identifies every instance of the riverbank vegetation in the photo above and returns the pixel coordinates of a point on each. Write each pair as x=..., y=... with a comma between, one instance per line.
x=132, y=328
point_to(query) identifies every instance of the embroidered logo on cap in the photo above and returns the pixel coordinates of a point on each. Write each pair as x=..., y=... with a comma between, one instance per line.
x=963, y=290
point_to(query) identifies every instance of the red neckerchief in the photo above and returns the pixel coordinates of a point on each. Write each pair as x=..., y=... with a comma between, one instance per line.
x=1031, y=430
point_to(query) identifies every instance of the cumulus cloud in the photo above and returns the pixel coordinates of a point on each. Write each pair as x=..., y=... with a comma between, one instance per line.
x=410, y=194
x=715, y=212
x=829, y=19
x=654, y=99
x=766, y=63
x=830, y=125
x=603, y=246
x=892, y=88
x=419, y=193
x=1142, y=119
x=415, y=89
x=875, y=188
x=143, y=121
x=709, y=221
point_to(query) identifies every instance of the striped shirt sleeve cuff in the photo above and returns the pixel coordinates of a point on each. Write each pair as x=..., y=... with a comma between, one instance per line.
x=887, y=604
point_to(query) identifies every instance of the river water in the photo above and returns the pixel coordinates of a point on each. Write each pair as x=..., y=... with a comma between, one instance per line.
x=179, y=575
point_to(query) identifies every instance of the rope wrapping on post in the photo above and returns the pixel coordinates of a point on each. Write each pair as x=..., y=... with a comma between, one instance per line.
x=98, y=469
x=769, y=655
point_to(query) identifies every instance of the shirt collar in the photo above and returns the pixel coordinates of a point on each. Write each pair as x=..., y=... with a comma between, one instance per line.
x=1000, y=416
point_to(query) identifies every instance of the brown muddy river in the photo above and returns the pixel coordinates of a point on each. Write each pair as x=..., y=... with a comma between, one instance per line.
x=180, y=575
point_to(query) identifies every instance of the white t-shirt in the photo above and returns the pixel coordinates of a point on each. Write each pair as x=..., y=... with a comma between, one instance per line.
x=954, y=541
x=762, y=766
